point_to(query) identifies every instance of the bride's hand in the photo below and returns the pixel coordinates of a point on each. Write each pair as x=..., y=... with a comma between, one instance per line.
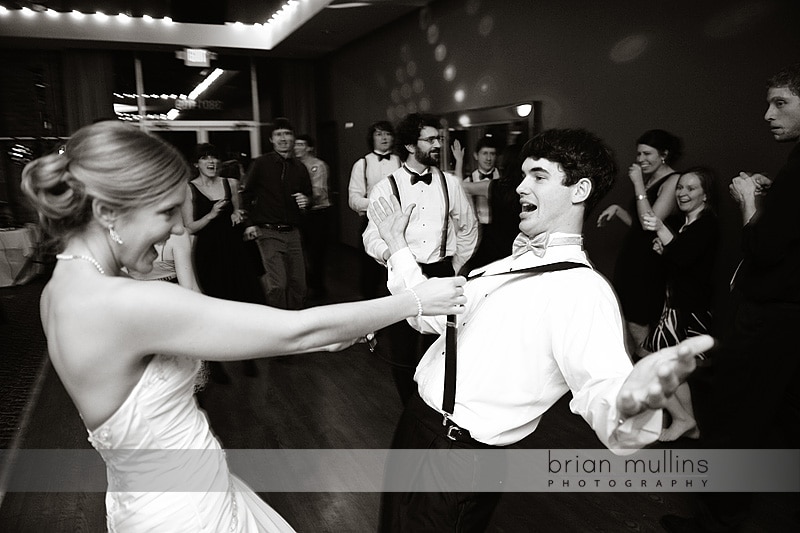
x=442, y=296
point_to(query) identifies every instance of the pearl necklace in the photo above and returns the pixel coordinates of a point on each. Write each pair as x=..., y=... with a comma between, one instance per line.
x=88, y=258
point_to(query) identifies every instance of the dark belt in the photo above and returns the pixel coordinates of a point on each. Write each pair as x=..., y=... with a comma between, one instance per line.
x=441, y=425
x=283, y=228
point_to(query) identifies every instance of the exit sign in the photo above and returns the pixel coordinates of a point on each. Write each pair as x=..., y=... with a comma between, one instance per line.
x=197, y=57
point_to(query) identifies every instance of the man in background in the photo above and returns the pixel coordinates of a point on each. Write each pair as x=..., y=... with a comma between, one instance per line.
x=442, y=233
x=366, y=172
x=752, y=397
x=316, y=226
x=275, y=196
x=478, y=185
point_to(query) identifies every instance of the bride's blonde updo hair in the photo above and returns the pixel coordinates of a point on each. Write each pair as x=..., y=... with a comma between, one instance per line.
x=111, y=161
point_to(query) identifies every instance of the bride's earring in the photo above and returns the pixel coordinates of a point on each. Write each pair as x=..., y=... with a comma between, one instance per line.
x=114, y=235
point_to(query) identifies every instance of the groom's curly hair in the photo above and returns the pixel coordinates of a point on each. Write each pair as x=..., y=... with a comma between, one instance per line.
x=580, y=154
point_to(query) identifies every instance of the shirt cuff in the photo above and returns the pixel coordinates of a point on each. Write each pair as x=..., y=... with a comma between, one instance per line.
x=403, y=271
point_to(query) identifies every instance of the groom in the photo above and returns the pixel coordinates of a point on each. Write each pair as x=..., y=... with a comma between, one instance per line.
x=525, y=339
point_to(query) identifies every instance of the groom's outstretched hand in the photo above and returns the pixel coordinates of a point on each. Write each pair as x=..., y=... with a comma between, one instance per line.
x=656, y=376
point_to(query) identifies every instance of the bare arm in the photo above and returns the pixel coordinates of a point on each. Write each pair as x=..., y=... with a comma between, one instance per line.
x=148, y=318
x=653, y=223
x=237, y=216
x=613, y=211
x=458, y=155
x=187, y=210
x=664, y=205
x=182, y=255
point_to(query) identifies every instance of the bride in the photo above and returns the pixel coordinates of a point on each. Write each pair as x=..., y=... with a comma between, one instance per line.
x=128, y=351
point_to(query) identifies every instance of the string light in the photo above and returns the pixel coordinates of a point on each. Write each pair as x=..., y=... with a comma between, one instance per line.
x=282, y=13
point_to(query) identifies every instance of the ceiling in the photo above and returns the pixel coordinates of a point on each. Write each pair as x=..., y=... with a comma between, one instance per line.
x=336, y=25
x=343, y=22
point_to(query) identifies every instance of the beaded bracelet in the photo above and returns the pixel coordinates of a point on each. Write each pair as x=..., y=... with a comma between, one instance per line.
x=419, y=302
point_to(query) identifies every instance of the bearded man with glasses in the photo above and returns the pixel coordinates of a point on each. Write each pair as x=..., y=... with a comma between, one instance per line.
x=442, y=233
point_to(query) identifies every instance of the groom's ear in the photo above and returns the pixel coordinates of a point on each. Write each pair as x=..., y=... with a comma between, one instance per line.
x=581, y=190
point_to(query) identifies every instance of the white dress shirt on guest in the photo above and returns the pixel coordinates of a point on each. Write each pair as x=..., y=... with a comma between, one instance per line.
x=366, y=172
x=424, y=232
x=524, y=341
x=482, y=209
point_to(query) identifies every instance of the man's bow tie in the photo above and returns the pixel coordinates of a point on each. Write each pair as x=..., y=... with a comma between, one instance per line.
x=381, y=157
x=426, y=178
x=539, y=244
x=488, y=176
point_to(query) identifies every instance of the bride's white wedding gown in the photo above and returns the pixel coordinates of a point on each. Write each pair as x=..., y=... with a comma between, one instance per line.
x=166, y=470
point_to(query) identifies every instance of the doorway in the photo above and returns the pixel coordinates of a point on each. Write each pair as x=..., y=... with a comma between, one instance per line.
x=233, y=140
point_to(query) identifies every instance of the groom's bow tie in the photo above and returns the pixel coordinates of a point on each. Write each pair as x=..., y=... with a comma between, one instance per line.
x=539, y=244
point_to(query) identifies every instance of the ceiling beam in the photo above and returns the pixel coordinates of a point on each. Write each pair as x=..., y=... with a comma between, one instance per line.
x=54, y=25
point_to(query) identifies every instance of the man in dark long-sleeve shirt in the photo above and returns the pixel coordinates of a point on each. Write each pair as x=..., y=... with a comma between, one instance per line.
x=276, y=195
x=754, y=399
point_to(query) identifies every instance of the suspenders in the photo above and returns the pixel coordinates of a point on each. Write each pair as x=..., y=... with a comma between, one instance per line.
x=449, y=395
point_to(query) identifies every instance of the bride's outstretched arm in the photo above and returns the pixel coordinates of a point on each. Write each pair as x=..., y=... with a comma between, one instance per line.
x=162, y=318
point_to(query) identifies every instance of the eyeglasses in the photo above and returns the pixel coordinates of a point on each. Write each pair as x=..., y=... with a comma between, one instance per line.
x=431, y=140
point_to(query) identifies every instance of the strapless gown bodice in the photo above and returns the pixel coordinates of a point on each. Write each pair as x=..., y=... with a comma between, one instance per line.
x=166, y=470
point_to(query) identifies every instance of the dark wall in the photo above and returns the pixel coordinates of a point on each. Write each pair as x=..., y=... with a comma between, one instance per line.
x=618, y=68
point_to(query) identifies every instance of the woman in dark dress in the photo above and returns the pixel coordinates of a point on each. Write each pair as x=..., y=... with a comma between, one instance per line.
x=638, y=276
x=222, y=267
x=688, y=255
x=221, y=263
